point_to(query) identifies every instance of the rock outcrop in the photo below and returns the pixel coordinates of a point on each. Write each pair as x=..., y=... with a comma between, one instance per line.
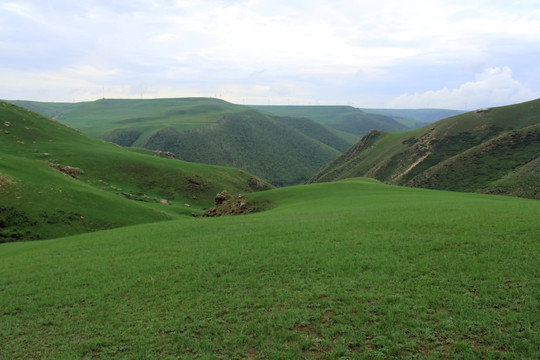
x=227, y=204
x=67, y=170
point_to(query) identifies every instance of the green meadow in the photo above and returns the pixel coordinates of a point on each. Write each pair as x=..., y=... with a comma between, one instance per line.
x=348, y=270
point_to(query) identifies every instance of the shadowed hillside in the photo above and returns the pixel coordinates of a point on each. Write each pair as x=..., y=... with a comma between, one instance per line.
x=346, y=119
x=260, y=144
x=469, y=152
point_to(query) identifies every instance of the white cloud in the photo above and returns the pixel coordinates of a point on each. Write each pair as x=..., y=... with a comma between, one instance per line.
x=492, y=87
x=315, y=48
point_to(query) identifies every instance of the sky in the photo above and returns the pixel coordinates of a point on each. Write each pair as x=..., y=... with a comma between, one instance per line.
x=370, y=54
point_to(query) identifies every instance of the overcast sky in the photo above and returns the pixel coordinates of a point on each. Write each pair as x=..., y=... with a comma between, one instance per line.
x=395, y=54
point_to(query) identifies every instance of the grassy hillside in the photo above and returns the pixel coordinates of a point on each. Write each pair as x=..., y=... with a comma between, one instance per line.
x=353, y=269
x=522, y=182
x=415, y=118
x=55, y=181
x=283, y=151
x=317, y=131
x=485, y=163
x=468, y=152
x=260, y=144
x=107, y=117
x=346, y=119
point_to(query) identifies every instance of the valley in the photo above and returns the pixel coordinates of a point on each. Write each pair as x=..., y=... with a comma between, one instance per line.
x=347, y=266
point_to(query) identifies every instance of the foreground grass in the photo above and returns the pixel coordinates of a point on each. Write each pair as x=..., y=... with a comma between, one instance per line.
x=353, y=269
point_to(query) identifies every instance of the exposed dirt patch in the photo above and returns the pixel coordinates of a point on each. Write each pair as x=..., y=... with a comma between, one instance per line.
x=419, y=151
x=257, y=184
x=195, y=186
x=6, y=181
x=227, y=204
x=67, y=170
x=164, y=154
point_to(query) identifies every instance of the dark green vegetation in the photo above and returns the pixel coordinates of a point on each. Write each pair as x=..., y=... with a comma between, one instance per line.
x=491, y=150
x=353, y=269
x=283, y=151
x=56, y=182
x=268, y=147
x=345, y=119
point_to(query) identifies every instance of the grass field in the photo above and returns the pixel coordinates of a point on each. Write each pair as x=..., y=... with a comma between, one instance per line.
x=354, y=269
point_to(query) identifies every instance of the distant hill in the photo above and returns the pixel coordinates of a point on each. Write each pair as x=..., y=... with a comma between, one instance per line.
x=106, y=117
x=415, y=118
x=282, y=150
x=55, y=181
x=261, y=144
x=488, y=150
x=346, y=119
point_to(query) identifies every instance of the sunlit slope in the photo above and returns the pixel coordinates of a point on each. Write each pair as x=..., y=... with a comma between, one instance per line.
x=352, y=269
x=108, y=186
x=468, y=152
x=109, y=117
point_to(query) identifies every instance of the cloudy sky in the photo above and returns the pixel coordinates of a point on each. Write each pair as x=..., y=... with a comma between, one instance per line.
x=386, y=53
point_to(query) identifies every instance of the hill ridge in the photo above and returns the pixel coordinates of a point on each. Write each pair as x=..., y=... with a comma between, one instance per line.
x=400, y=158
x=168, y=124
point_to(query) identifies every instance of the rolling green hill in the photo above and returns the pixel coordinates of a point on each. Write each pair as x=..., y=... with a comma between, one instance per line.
x=345, y=119
x=283, y=151
x=106, y=117
x=468, y=152
x=353, y=269
x=56, y=182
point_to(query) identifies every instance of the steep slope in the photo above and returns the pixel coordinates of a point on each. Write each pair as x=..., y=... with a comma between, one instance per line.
x=468, y=152
x=316, y=131
x=522, y=182
x=250, y=141
x=475, y=168
x=55, y=181
x=283, y=151
x=343, y=118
